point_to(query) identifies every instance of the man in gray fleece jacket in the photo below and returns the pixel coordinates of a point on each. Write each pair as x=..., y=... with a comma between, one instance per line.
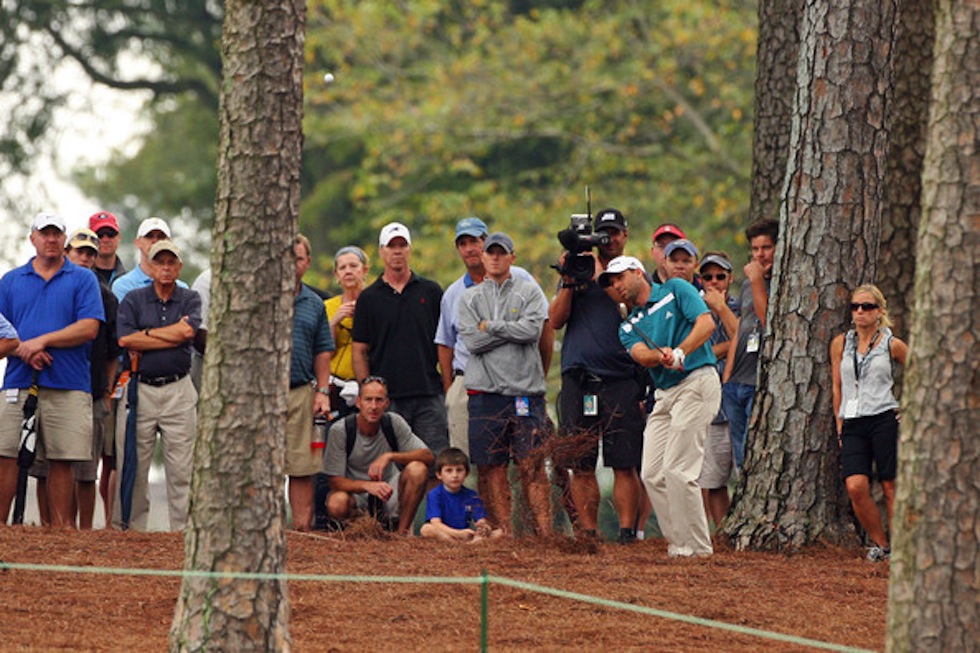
x=500, y=321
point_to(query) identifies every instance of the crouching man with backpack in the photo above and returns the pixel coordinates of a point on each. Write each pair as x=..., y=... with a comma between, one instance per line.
x=374, y=463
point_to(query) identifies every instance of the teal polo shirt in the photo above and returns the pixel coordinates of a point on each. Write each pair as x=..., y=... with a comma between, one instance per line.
x=667, y=319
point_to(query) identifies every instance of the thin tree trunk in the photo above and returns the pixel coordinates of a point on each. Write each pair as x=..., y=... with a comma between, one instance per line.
x=933, y=595
x=775, y=87
x=791, y=493
x=237, y=513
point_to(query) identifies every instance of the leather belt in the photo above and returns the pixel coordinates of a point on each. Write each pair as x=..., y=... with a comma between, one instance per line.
x=162, y=380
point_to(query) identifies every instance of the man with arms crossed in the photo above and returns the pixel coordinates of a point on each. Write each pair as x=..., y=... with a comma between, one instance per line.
x=158, y=323
x=500, y=321
x=470, y=236
x=56, y=308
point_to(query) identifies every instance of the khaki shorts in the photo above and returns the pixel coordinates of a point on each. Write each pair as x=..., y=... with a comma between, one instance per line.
x=717, y=466
x=64, y=424
x=301, y=458
x=88, y=470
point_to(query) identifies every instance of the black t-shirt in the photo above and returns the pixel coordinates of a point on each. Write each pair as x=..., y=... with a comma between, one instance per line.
x=400, y=330
x=591, y=339
x=105, y=347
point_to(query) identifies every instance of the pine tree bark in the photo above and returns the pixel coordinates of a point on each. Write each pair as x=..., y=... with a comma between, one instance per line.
x=791, y=493
x=909, y=118
x=237, y=514
x=933, y=595
x=775, y=87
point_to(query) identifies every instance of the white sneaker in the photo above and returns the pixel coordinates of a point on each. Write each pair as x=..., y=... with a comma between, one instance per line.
x=675, y=551
x=879, y=553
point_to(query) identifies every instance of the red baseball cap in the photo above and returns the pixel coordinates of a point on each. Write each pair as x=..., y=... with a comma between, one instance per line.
x=102, y=219
x=669, y=229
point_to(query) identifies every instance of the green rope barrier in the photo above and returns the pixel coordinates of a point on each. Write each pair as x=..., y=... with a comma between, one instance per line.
x=484, y=612
x=676, y=616
x=483, y=580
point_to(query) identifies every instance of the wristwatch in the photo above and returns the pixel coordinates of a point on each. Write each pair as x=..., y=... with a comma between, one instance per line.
x=325, y=390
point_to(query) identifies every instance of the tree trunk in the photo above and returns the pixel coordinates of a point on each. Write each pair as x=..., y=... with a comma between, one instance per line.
x=791, y=493
x=775, y=86
x=236, y=512
x=908, y=119
x=933, y=603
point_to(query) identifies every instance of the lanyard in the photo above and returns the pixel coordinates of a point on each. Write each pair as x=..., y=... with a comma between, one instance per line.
x=871, y=346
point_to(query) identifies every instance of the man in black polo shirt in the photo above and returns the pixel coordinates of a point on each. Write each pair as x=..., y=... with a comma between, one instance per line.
x=394, y=329
x=158, y=323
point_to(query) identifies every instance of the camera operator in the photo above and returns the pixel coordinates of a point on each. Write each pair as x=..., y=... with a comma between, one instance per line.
x=601, y=387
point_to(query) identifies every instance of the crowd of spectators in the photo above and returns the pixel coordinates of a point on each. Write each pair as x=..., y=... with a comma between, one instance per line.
x=395, y=386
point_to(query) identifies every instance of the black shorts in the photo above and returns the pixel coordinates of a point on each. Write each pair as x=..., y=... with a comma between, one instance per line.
x=497, y=433
x=619, y=422
x=867, y=439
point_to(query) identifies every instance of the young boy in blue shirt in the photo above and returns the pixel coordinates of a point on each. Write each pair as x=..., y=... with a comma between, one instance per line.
x=454, y=512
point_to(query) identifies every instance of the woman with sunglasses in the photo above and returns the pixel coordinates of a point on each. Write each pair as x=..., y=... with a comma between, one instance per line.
x=862, y=362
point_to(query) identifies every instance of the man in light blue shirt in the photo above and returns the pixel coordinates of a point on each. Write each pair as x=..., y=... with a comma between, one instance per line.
x=8, y=337
x=150, y=231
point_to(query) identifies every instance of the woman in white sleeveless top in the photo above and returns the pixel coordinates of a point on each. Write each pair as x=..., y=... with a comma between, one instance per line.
x=866, y=409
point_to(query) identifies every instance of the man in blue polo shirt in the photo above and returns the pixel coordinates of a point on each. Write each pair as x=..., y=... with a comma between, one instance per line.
x=56, y=308
x=158, y=322
x=668, y=332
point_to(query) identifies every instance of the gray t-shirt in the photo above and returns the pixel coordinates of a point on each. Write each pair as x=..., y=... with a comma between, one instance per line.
x=745, y=367
x=366, y=450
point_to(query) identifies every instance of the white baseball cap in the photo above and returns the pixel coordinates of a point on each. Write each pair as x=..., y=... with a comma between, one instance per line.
x=394, y=230
x=619, y=265
x=43, y=220
x=153, y=224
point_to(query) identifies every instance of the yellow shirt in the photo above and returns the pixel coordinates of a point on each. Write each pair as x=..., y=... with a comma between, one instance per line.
x=342, y=362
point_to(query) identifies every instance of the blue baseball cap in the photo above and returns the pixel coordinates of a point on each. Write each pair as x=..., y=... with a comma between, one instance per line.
x=471, y=227
x=683, y=244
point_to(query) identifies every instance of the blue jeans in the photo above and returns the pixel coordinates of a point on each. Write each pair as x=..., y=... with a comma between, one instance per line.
x=736, y=401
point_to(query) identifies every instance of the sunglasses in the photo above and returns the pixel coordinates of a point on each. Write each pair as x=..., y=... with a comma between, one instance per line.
x=375, y=379
x=864, y=306
x=86, y=238
x=108, y=233
x=721, y=276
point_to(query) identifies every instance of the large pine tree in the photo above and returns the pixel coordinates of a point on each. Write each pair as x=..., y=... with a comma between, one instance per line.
x=791, y=493
x=934, y=598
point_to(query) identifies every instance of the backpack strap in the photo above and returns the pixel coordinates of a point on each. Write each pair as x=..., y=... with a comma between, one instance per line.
x=389, y=430
x=350, y=425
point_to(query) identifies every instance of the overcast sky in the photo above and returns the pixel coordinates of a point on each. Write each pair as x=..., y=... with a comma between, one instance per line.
x=95, y=121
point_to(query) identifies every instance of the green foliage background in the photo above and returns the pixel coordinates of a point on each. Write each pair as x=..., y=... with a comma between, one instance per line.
x=443, y=109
